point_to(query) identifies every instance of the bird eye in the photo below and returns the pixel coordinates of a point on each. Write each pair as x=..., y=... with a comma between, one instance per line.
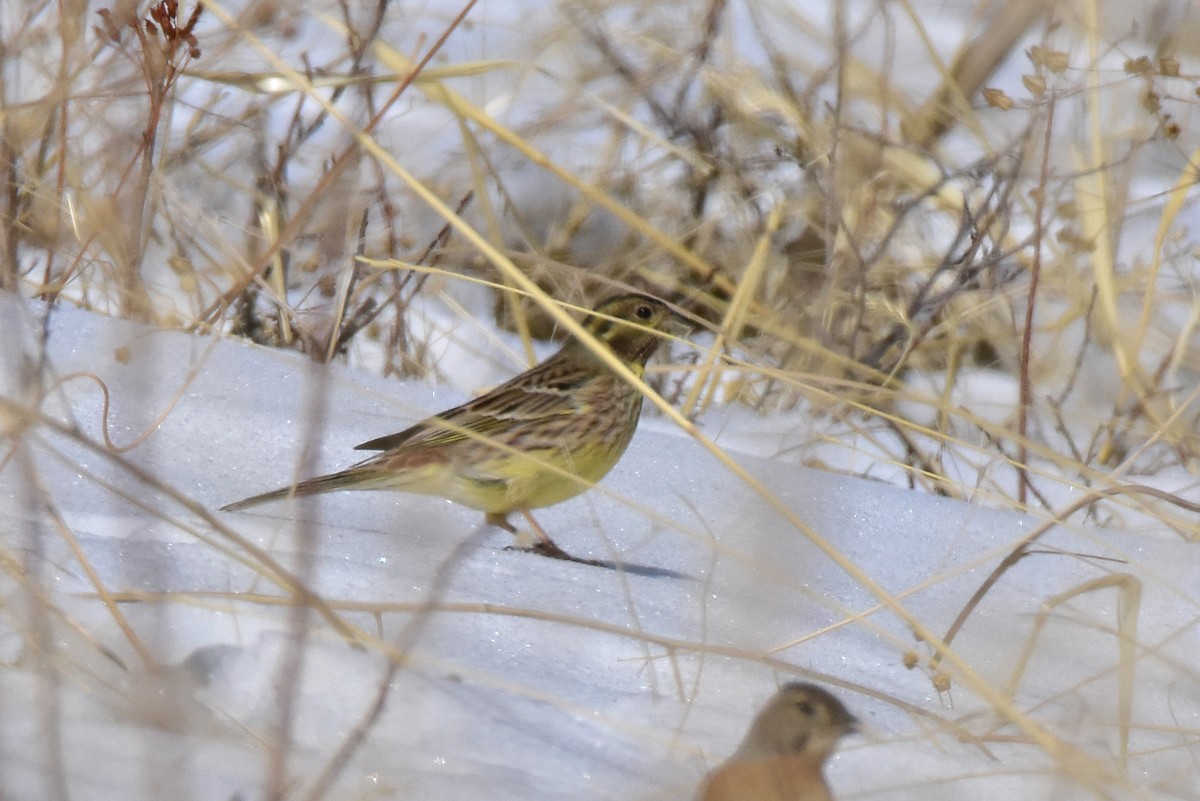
x=644, y=312
x=805, y=708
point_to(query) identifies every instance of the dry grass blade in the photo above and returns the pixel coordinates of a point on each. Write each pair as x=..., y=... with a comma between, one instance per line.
x=268, y=564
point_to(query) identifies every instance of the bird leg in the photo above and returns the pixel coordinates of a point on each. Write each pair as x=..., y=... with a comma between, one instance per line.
x=501, y=521
x=537, y=541
x=546, y=546
x=525, y=541
x=542, y=544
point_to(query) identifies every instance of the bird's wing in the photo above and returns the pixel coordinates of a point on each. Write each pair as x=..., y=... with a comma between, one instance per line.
x=548, y=390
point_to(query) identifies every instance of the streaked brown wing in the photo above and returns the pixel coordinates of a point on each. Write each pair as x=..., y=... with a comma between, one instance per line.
x=545, y=391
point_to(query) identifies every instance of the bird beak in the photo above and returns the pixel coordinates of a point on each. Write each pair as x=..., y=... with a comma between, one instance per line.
x=677, y=326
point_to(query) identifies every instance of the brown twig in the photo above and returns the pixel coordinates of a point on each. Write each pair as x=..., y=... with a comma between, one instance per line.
x=337, y=167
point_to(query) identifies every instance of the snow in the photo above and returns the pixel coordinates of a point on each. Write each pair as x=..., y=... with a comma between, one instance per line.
x=516, y=676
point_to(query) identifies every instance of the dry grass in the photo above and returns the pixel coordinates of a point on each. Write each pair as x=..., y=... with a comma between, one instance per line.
x=841, y=231
x=868, y=221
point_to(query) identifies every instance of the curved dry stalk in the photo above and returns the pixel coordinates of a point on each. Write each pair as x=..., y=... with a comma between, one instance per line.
x=1130, y=589
x=1022, y=549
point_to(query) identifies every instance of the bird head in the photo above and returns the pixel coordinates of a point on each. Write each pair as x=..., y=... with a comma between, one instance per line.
x=799, y=719
x=631, y=324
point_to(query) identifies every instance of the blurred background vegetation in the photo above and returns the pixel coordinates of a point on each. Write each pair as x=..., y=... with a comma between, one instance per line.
x=960, y=236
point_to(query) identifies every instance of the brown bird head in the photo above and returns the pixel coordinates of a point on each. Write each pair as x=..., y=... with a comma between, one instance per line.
x=799, y=719
x=629, y=324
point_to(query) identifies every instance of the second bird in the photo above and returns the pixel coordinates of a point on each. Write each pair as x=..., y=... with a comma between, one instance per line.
x=539, y=439
x=782, y=756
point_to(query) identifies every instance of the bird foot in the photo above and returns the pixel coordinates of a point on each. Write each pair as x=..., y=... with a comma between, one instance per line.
x=549, y=549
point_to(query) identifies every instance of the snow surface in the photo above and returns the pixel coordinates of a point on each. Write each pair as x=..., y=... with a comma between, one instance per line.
x=531, y=679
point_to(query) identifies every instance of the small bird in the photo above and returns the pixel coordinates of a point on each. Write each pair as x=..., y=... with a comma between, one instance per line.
x=781, y=757
x=543, y=437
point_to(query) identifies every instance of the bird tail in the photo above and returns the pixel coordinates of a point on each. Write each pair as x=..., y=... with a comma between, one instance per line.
x=354, y=477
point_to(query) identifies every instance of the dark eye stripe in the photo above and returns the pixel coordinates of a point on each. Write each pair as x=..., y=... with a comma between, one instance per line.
x=602, y=329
